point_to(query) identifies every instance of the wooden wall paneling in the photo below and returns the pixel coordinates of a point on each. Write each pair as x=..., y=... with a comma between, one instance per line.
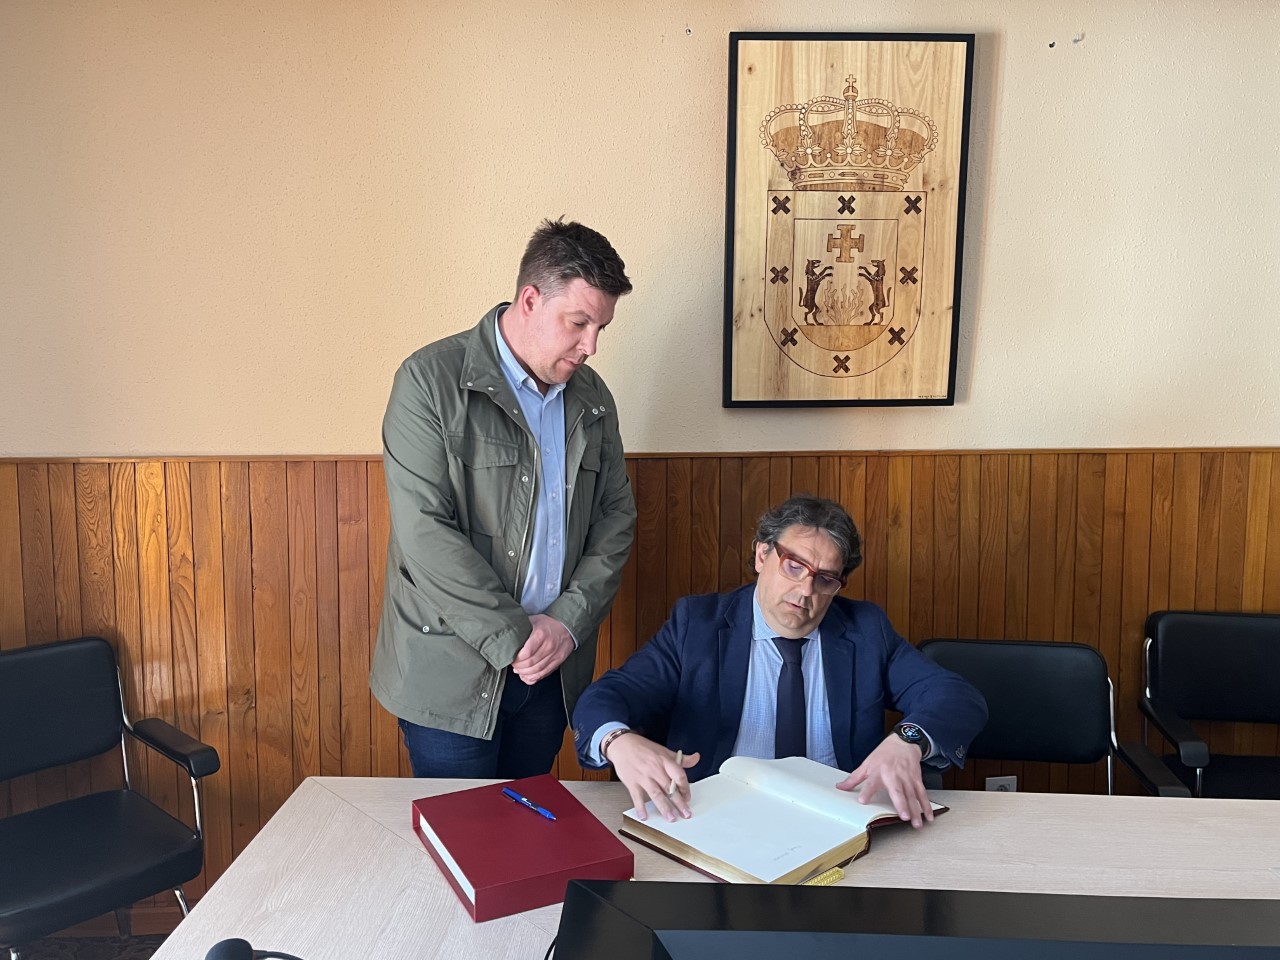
x=1018, y=547
x=1233, y=526
x=66, y=550
x=735, y=540
x=875, y=532
x=829, y=478
x=1126, y=674
x=679, y=519
x=383, y=729
x=155, y=603
x=1209, y=532
x=946, y=546
x=38, y=581
x=353, y=615
x=779, y=480
x=804, y=476
x=704, y=549
x=1111, y=586
x=755, y=499
x=1042, y=527
x=1064, y=555
x=241, y=761
x=211, y=646
x=898, y=545
x=1271, y=578
x=328, y=653
x=304, y=641
x=273, y=682
x=920, y=620
x=75, y=779
x=13, y=619
x=992, y=543
x=853, y=496
x=1161, y=531
x=1091, y=500
x=650, y=548
x=1232, y=530
x=1184, y=531
x=970, y=508
x=92, y=491
x=1255, y=542
x=624, y=613
x=182, y=624
x=124, y=573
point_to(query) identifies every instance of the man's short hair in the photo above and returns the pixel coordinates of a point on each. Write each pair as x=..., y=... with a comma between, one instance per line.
x=826, y=515
x=560, y=252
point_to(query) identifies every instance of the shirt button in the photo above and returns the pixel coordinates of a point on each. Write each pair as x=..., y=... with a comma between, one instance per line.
x=426, y=629
x=484, y=696
x=511, y=553
x=524, y=479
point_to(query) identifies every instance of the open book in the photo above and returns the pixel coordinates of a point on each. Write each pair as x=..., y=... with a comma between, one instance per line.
x=766, y=821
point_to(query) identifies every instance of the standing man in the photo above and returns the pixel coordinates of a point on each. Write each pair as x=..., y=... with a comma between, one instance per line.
x=511, y=518
x=782, y=667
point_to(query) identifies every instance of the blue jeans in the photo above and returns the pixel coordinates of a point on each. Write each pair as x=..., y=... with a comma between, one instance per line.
x=531, y=723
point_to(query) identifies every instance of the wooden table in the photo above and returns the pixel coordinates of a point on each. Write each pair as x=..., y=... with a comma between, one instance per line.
x=338, y=874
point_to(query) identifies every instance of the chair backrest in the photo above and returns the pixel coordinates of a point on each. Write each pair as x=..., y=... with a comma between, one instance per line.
x=61, y=703
x=1049, y=702
x=1215, y=666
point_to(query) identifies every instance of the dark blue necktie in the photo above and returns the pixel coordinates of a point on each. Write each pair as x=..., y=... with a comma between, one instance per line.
x=789, y=729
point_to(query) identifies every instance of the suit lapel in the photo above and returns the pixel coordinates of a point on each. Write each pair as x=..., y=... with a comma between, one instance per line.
x=837, y=669
x=735, y=657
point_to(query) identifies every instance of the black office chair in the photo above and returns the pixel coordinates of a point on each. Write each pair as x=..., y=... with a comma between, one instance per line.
x=1047, y=702
x=1213, y=666
x=67, y=862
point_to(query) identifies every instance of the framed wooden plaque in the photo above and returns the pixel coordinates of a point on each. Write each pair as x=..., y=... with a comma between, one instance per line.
x=847, y=162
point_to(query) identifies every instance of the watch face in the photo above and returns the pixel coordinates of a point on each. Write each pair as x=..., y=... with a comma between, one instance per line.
x=910, y=732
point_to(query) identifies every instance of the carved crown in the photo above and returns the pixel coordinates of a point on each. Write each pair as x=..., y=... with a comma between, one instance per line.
x=831, y=143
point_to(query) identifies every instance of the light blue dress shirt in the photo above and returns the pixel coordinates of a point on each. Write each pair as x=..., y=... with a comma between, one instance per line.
x=545, y=418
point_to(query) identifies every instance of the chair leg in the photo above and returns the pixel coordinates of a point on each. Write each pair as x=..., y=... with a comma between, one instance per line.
x=182, y=901
x=123, y=924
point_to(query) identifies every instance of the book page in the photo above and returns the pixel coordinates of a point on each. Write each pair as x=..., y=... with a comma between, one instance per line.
x=809, y=784
x=756, y=831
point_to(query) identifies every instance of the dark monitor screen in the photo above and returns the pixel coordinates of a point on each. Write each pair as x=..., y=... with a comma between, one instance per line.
x=629, y=920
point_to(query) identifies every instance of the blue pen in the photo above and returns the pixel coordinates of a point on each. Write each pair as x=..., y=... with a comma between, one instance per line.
x=512, y=795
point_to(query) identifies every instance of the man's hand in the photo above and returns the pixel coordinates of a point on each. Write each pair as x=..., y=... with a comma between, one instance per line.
x=648, y=770
x=894, y=766
x=548, y=646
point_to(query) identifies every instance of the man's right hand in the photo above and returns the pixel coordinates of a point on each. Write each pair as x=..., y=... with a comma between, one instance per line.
x=647, y=770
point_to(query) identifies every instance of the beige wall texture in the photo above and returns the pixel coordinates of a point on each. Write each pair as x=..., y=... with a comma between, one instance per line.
x=222, y=225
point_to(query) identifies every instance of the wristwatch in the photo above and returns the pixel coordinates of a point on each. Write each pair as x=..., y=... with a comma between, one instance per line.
x=912, y=733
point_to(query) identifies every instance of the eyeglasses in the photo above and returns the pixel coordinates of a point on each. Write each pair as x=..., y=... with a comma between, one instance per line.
x=793, y=568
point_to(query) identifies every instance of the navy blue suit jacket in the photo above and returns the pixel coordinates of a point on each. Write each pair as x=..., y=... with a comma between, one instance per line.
x=686, y=686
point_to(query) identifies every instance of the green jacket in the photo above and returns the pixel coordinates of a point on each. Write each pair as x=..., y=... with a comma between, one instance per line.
x=461, y=470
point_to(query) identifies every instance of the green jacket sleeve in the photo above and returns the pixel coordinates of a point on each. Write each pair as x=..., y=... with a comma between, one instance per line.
x=446, y=569
x=591, y=586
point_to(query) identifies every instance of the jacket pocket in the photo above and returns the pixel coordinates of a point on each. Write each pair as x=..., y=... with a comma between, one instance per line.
x=484, y=474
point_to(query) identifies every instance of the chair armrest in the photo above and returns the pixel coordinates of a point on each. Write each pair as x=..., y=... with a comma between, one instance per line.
x=1151, y=772
x=1192, y=751
x=200, y=759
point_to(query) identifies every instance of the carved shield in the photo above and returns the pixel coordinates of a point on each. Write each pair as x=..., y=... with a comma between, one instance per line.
x=844, y=274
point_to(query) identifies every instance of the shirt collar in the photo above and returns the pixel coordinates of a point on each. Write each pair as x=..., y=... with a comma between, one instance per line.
x=760, y=630
x=516, y=375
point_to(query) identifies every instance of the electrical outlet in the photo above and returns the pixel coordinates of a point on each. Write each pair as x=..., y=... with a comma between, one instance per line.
x=1003, y=784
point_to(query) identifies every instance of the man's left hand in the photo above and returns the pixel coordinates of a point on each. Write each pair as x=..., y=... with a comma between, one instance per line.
x=894, y=767
x=548, y=646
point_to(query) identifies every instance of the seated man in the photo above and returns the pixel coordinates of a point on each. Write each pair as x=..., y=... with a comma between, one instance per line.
x=735, y=675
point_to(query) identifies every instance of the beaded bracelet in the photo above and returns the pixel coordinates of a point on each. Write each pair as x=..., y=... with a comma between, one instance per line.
x=611, y=736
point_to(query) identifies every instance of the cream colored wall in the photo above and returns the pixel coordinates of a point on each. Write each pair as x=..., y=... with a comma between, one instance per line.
x=222, y=225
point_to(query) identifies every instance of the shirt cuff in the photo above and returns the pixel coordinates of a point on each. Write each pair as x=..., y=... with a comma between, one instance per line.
x=593, y=753
x=932, y=754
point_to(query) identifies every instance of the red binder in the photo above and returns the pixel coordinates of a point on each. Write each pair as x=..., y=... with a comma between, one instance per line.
x=500, y=857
